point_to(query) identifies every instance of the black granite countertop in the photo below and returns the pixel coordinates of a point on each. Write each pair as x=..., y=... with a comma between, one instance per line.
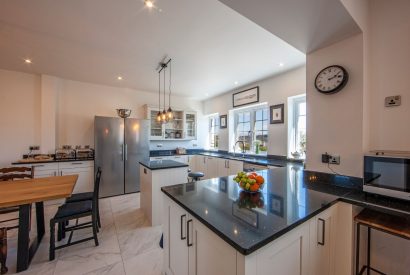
x=53, y=161
x=289, y=197
x=162, y=164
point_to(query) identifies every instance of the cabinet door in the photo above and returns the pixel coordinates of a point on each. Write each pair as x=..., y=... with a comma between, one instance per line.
x=183, y=159
x=190, y=125
x=208, y=254
x=85, y=182
x=201, y=166
x=156, y=128
x=191, y=159
x=212, y=167
x=322, y=238
x=177, y=241
x=234, y=167
x=223, y=167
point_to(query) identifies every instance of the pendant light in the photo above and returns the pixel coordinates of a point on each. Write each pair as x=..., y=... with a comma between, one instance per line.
x=164, y=116
x=170, y=114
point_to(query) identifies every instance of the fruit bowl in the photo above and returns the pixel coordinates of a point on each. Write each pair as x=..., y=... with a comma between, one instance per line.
x=249, y=182
x=250, y=200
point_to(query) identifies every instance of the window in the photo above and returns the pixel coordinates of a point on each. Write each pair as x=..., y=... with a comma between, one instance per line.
x=251, y=127
x=297, y=129
x=213, y=131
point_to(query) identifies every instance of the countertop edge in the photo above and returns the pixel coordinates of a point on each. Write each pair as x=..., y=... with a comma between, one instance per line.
x=163, y=168
x=51, y=161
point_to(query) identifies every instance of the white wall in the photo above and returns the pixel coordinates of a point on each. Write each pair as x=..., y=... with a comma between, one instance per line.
x=50, y=111
x=79, y=102
x=274, y=90
x=389, y=71
x=19, y=114
x=335, y=122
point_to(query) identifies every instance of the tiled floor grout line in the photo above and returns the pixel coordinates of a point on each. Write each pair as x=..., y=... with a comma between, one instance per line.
x=116, y=236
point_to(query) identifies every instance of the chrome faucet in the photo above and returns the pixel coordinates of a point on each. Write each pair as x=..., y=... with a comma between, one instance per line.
x=243, y=147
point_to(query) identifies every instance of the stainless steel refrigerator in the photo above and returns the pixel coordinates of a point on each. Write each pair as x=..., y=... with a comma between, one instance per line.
x=120, y=144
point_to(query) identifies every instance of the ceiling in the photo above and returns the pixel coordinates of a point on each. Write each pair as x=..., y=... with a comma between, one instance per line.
x=307, y=25
x=211, y=45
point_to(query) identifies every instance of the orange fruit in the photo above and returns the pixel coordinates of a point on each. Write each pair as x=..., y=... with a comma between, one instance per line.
x=254, y=187
x=251, y=177
x=259, y=180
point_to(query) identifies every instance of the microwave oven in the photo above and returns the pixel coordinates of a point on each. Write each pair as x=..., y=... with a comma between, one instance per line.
x=387, y=175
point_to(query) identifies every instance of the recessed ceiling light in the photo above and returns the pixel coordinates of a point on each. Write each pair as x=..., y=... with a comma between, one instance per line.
x=236, y=83
x=27, y=61
x=149, y=3
x=119, y=77
x=206, y=94
x=281, y=64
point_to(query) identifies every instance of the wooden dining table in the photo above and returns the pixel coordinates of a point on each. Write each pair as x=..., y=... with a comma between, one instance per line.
x=23, y=193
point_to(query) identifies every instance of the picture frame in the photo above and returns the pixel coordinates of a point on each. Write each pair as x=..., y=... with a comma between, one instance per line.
x=277, y=114
x=245, y=97
x=223, y=121
x=246, y=215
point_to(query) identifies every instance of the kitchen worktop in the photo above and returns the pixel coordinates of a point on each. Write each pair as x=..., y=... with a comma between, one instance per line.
x=52, y=161
x=290, y=196
x=162, y=164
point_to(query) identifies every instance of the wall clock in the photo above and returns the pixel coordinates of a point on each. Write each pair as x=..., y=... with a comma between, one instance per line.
x=331, y=79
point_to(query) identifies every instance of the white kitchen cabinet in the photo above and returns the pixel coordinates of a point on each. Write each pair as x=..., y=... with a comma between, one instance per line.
x=201, y=165
x=223, y=168
x=191, y=161
x=192, y=249
x=211, y=167
x=234, y=167
x=190, y=131
x=85, y=172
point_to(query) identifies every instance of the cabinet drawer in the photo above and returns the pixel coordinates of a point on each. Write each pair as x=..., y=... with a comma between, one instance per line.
x=44, y=166
x=75, y=164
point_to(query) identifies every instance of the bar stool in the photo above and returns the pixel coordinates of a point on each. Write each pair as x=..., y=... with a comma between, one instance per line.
x=391, y=224
x=195, y=176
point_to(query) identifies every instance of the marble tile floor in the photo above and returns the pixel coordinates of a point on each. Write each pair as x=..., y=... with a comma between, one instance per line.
x=128, y=245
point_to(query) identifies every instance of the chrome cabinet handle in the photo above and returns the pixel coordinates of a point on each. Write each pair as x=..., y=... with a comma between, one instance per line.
x=122, y=152
x=55, y=173
x=322, y=242
x=182, y=227
x=76, y=163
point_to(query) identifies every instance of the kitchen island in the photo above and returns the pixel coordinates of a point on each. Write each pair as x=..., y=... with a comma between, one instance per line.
x=296, y=225
x=153, y=176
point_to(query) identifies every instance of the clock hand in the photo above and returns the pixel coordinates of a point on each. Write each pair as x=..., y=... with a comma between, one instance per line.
x=333, y=76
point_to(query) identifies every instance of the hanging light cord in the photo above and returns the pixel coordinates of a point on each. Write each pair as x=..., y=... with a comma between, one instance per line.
x=170, y=75
x=159, y=91
x=165, y=68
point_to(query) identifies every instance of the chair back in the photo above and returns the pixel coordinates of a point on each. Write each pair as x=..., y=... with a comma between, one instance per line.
x=13, y=173
x=97, y=185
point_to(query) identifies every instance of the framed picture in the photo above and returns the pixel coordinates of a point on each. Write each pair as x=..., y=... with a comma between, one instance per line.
x=223, y=121
x=275, y=205
x=246, y=97
x=277, y=114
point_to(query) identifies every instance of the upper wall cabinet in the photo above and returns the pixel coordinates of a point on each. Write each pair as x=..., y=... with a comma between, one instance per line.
x=182, y=127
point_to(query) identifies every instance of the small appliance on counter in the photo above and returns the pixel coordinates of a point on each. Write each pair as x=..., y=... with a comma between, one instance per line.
x=387, y=173
x=66, y=152
x=84, y=153
x=181, y=151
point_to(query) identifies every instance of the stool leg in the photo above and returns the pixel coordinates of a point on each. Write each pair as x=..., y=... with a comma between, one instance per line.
x=3, y=250
x=52, y=240
x=357, y=247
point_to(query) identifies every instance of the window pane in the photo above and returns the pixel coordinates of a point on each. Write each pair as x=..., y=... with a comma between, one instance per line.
x=265, y=125
x=265, y=114
x=258, y=115
x=302, y=108
x=240, y=117
x=247, y=117
x=258, y=126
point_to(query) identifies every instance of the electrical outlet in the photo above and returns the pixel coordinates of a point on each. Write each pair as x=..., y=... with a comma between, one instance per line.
x=159, y=145
x=391, y=101
x=34, y=148
x=331, y=159
x=334, y=160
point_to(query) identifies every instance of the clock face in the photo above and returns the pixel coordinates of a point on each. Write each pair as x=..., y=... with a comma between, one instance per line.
x=331, y=79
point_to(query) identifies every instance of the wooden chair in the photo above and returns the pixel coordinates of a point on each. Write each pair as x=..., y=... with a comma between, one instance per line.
x=75, y=211
x=8, y=174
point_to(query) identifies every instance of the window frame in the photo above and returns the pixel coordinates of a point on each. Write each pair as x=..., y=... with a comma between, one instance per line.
x=294, y=127
x=213, y=132
x=252, y=121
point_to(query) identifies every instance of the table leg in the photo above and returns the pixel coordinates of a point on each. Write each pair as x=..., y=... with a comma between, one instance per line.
x=23, y=253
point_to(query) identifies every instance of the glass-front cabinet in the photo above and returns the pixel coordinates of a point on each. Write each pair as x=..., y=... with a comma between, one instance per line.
x=182, y=127
x=190, y=125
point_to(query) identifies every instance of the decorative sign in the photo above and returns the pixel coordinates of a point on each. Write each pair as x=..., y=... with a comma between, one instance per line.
x=277, y=114
x=246, y=97
x=223, y=121
x=276, y=205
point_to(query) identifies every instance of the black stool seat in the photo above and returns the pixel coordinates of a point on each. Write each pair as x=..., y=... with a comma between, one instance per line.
x=195, y=174
x=80, y=197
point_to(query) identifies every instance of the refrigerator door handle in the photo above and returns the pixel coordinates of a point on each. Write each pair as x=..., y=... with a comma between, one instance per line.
x=122, y=152
x=126, y=152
